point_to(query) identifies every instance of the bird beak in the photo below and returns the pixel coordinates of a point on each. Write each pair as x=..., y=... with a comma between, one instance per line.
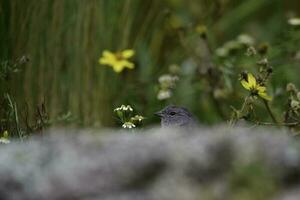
x=159, y=114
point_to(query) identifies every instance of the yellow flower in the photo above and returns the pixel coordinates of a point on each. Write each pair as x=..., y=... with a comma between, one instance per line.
x=255, y=89
x=118, y=61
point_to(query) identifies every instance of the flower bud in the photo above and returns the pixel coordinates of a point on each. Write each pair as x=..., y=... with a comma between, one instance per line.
x=263, y=48
x=202, y=30
x=290, y=87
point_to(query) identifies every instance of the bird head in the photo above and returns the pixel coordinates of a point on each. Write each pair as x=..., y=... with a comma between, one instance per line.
x=175, y=116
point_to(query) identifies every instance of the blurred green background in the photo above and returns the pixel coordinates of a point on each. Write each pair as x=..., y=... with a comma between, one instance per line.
x=65, y=38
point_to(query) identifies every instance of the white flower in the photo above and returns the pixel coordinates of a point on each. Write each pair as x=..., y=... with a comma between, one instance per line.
x=294, y=21
x=221, y=52
x=164, y=94
x=4, y=140
x=137, y=118
x=128, y=107
x=128, y=125
x=119, y=108
x=167, y=80
x=124, y=108
x=116, y=109
x=245, y=39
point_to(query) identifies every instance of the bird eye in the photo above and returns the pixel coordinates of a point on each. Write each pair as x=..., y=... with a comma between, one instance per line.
x=172, y=113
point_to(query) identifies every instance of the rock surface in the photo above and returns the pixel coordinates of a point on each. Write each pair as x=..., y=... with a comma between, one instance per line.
x=156, y=164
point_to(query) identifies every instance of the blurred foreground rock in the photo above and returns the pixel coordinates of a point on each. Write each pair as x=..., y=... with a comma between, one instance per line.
x=217, y=163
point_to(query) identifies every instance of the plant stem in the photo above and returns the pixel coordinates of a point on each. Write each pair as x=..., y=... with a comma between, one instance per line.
x=270, y=111
x=297, y=123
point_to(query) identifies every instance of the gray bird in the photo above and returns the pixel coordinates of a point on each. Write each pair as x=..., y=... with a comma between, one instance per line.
x=176, y=116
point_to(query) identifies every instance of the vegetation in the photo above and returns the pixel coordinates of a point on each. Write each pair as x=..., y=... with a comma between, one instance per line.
x=72, y=62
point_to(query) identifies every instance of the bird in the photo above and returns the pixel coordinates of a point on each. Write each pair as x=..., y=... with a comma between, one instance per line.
x=176, y=116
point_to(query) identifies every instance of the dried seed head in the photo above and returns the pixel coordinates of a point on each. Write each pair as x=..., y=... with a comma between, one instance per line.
x=269, y=69
x=243, y=76
x=263, y=48
x=290, y=87
x=295, y=104
x=251, y=51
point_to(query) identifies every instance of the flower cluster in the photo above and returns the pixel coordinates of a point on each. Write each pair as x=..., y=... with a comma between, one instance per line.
x=125, y=115
x=118, y=60
x=128, y=125
x=124, y=108
x=138, y=118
